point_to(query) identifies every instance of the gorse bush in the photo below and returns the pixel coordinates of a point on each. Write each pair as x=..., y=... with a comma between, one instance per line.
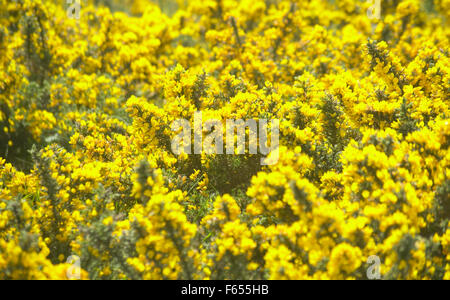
x=87, y=170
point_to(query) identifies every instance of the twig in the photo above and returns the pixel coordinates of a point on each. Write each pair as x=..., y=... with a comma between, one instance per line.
x=7, y=148
x=236, y=31
x=195, y=184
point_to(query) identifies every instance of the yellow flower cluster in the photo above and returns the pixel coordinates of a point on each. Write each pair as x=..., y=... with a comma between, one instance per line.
x=87, y=168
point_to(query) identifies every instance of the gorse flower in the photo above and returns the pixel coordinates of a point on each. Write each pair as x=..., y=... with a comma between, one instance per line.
x=89, y=109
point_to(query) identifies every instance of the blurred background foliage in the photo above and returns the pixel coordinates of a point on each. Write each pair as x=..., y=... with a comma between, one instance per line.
x=136, y=7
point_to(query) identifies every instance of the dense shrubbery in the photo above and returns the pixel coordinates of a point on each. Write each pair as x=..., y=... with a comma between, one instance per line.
x=87, y=169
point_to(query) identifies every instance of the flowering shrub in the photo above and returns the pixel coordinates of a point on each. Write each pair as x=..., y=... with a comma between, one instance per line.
x=87, y=169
